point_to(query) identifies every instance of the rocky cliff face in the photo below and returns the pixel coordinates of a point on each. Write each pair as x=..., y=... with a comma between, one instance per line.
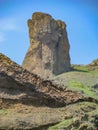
x=43, y=91
x=28, y=102
x=49, y=47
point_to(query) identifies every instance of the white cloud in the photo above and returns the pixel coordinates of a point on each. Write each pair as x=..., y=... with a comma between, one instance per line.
x=2, y=37
x=8, y=24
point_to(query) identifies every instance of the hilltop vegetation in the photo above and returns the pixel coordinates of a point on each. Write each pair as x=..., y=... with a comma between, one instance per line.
x=83, y=79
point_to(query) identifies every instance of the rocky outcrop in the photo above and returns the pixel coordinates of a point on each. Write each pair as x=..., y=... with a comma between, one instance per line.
x=42, y=91
x=83, y=116
x=93, y=65
x=29, y=102
x=48, y=54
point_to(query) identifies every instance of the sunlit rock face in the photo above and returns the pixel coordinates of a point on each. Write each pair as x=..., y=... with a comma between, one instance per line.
x=48, y=53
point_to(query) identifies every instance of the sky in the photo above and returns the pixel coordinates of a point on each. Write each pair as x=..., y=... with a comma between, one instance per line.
x=81, y=17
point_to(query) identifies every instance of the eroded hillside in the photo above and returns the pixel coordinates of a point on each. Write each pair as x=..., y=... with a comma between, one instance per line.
x=56, y=95
x=29, y=102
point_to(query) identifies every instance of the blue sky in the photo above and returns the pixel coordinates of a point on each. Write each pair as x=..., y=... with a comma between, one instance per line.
x=81, y=17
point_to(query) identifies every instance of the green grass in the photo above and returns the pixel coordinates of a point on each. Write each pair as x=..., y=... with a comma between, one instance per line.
x=92, y=113
x=3, y=111
x=86, y=69
x=94, y=72
x=61, y=125
x=82, y=79
x=84, y=89
x=81, y=68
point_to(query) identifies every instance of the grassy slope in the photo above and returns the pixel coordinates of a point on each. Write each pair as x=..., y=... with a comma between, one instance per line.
x=82, y=79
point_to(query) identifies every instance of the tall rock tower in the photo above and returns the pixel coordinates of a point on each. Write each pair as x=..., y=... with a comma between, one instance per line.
x=48, y=54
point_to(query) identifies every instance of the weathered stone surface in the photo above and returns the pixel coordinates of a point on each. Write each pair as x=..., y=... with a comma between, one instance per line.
x=31, y=87
x=28, y=102
x=93, y=65
x=49, y=47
